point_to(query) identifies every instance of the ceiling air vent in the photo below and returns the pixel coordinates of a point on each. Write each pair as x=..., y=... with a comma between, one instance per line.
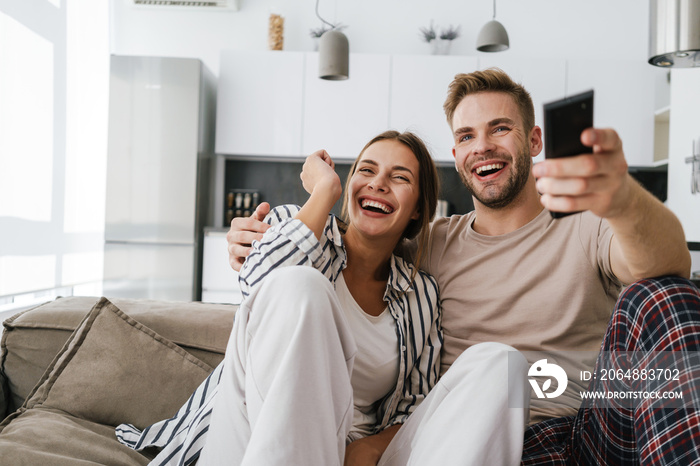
x=212, y=5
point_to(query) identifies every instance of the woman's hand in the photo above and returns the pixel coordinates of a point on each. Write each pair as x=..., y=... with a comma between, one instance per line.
x=368, y=451
x=322, y=182
x=319, y=173
x=361, y=453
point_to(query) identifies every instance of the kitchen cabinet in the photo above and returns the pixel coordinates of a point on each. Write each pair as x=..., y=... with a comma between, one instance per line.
x=544, y=79
x=342, y=116
x=259, y=103
x=683, y=184
x=625, y=99
x=219, y=280
x=273, y=103
x=418, y=91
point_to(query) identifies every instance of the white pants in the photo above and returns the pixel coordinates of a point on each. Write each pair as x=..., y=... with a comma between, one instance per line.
x=475, y=415
x=285, y=396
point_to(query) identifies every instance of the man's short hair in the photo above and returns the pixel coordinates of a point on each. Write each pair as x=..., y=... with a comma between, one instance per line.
x=489, y=80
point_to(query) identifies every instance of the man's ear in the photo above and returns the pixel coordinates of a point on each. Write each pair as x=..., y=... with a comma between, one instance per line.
x=535, y=141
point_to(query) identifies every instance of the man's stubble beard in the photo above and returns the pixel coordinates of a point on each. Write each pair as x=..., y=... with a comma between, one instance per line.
x=513, y=187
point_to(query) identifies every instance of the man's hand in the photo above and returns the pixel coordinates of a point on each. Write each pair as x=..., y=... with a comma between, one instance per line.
x=648, y=238
x=243, y=231
x=597, y=181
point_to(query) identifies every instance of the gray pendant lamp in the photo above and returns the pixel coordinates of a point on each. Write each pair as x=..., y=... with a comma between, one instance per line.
x=333, y=53
x=493, y=36
x=674, y=33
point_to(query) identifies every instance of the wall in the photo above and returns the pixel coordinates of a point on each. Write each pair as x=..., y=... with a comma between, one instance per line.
x=599, y=29
x=537, y=28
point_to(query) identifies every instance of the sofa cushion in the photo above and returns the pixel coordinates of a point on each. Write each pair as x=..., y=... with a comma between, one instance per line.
x=51, y=437
x=114, y=370
x=32, y=338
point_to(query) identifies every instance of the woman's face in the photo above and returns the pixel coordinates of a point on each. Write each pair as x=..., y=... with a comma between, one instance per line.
x=384, y=189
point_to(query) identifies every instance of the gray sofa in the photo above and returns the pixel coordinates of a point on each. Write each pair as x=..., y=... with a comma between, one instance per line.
x=74, y=368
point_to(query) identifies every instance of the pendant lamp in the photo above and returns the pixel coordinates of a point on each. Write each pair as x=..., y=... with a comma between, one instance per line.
x=674, y=39
x=493, y=36
x=333, y=53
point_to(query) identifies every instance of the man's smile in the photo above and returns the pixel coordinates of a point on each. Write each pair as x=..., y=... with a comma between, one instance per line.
x=488, y=170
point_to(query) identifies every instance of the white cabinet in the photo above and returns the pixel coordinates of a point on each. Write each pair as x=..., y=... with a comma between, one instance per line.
x=625, y=100
x=219, y=280
x=273, y=103
x=418, y=91
x=259, y=103
x=342, y=116
x=544, y=79
x=684, y=143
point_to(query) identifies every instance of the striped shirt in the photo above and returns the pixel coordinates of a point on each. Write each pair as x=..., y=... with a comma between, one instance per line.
x=413, y=303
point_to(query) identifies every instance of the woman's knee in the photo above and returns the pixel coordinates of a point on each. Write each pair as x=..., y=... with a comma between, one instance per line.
x=293, y=278
x=293, y=293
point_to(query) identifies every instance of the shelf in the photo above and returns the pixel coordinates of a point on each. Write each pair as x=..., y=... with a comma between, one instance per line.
x=663, y=110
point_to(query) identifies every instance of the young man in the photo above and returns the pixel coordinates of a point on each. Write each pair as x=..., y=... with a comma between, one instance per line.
x=510, y=273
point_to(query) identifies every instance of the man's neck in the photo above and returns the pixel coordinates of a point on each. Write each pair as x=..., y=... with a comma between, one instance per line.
x=520, y=212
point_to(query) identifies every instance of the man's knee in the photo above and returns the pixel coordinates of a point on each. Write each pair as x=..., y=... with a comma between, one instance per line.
x=656, y=314
x=489, y=357
x=666, y=295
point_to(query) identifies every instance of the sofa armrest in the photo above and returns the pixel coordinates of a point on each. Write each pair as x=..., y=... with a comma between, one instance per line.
x=4, y=393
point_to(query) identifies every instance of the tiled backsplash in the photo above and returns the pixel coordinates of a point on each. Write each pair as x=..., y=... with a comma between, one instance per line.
x=279, y=183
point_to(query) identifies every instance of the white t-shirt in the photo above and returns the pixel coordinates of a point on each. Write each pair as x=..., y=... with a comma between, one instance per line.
x=376, y=365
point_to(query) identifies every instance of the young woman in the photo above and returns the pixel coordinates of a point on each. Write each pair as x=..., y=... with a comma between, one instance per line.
x=337, y=340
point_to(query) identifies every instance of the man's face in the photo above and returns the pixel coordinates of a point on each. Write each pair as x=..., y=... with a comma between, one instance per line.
x=491, y=151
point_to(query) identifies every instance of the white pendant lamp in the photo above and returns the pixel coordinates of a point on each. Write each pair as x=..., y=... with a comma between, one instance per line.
x=493, y=36
x=333, y=53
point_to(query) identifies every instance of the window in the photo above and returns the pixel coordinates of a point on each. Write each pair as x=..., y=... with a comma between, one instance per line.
x=54, y=85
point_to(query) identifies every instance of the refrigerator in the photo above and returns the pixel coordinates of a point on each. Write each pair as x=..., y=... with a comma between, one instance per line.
x=159, y=176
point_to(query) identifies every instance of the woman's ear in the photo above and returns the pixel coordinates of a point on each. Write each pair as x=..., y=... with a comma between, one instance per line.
x=416, y=214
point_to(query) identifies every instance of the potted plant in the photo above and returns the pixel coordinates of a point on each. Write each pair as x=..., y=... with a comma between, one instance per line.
x=428, y=34
x=439, y=43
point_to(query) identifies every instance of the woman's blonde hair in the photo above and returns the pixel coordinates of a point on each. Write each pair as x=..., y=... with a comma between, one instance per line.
x=428, y=188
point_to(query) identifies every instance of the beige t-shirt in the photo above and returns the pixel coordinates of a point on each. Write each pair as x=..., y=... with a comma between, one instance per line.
x=546, y=286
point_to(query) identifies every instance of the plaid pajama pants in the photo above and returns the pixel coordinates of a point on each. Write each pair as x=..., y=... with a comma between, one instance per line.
x=651, y=316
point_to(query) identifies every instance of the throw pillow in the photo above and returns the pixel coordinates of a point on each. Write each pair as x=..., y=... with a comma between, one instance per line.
x=114, y=370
